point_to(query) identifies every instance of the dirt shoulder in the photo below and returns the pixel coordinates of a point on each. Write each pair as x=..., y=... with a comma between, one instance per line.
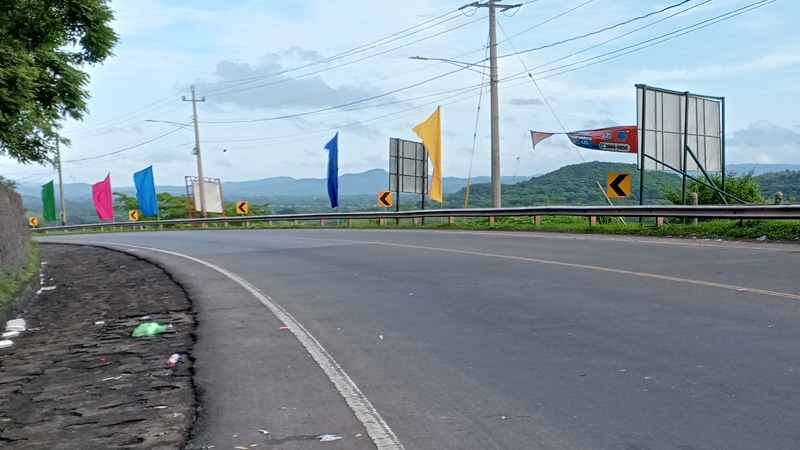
x=76, y=379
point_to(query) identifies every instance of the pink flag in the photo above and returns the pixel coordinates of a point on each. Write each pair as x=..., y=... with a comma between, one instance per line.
x=538, y=136
x=101, y=196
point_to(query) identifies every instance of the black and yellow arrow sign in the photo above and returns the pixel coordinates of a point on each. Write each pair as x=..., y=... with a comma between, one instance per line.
x=133, y=214
x=385, y=198
x=33, y=221
x=242, y=207
x=619, y=185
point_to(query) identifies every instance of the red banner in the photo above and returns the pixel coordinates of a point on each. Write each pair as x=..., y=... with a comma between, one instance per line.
x=620, y=139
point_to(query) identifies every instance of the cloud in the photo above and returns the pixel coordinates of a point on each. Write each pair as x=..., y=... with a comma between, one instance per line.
x=764, y=142
x=602, y=123
x=526, y=101
x=271, y=85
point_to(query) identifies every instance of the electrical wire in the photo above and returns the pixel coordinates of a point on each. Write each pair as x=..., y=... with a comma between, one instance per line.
x=307, y=113
x=544, y=97
x=651, y=42
x=356, y=50
x=284, y=80
x=125, y=149
x=575, y=38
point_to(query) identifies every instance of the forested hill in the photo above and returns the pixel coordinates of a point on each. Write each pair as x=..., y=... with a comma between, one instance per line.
x=570, y=185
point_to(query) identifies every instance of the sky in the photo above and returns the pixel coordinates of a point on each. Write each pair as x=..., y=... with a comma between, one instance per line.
x=279, y=79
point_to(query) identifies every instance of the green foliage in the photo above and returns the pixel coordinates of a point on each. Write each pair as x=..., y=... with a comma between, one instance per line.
x=744, y=187
x=787, y=182
x=571, y=185
x=12, y=282
x=177, y=206
x=43, y=46
x=10, y=183
x=169, y=206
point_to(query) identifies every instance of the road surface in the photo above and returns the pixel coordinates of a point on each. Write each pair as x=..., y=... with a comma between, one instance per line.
x=504, y=340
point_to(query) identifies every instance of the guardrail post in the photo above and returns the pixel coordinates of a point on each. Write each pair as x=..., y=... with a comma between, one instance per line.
x=537, y=221
x=296, y=222
x=452, y=220
x=382, y=221
x=592, y=221
x=659, y=222
x=695, y=202
x=779, y=198
x=321, y=222
x=247, y=224
x=350, y=222
x=161, y=226
x=491, y=221
x=416, y=220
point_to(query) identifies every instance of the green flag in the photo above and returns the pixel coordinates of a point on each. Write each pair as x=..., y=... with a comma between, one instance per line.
x=49, y=202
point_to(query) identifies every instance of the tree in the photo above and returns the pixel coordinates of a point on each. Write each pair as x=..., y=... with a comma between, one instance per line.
x=744, y=187
x=169, y=206
x=43, y=46
x=10, y=183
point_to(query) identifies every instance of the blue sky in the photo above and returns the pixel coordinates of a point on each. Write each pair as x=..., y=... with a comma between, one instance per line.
x=752, y=60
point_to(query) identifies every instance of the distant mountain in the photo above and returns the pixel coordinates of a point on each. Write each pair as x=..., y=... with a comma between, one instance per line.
x=571, y=185
x=760, y=169
x=365, y=183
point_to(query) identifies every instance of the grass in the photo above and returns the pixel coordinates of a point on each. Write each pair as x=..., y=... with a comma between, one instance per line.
x=12, y=282
x=718, y=228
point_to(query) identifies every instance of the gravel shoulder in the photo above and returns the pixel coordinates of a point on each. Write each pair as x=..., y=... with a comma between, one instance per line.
x=77, y=379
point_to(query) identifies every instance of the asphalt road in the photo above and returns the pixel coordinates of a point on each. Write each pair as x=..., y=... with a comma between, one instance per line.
x=500, y=340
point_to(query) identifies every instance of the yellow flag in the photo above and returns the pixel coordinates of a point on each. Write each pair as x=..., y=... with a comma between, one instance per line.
x=430, y=131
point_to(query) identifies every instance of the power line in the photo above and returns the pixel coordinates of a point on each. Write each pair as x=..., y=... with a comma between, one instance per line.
x=356, y=50
x=124, y=149
x=290, y=116
x=651, y=42
x=575, y=38
x=549, y=20
x=284, y=80
x=544, y=97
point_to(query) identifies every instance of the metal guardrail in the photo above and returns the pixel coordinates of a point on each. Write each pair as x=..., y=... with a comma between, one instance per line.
x=780, y=212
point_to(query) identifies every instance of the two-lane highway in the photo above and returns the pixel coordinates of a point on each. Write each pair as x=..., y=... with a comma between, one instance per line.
x=491, y=340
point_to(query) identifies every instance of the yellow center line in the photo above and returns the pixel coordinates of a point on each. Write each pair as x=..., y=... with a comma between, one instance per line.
x=586, y=267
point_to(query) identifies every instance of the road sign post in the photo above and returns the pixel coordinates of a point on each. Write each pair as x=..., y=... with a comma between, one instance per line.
x=619, y=185
x=385, y=198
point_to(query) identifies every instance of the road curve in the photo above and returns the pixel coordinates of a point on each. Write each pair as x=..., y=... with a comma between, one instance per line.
x=503, y=340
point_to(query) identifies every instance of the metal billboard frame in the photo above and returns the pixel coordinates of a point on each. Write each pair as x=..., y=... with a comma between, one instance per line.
x=675, y=126
x=408, y=169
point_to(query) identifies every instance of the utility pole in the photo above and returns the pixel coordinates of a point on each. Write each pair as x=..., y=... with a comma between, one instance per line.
x=495, y=103
x=201, y=184
x=61, y=183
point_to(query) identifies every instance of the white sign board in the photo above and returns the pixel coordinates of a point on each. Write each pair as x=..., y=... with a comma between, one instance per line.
x=668, y=121
x=213, y=194
x=408, y=167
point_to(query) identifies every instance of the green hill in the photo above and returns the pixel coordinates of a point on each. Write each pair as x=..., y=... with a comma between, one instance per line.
x=570, y=185
x=787, y=182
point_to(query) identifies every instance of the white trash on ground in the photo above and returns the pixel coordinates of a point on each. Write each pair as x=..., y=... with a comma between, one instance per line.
x=15, y=325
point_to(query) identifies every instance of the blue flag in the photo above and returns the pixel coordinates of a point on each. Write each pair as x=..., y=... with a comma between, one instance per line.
x=333, y=170
x=146, y=191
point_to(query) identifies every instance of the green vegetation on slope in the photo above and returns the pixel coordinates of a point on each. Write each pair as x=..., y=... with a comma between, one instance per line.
x=12, y=282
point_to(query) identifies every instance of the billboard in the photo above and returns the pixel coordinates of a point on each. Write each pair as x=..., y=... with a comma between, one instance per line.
x=670, y=124
x=408, y=167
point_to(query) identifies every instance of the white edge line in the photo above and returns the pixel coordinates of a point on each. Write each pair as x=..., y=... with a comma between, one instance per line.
x=383, y=436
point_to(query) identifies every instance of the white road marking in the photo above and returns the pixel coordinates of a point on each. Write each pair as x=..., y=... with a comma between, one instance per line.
x=383, y=436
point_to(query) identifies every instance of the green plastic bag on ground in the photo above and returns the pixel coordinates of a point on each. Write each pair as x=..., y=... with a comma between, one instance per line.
x=148, y=329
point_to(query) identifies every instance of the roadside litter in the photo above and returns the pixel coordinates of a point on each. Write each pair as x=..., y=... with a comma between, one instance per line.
x=329, y=437
x=15, y=325
x=263, y=431
x=48, y=288
x=173, y=359
x=283, y=328
x=5, y=343
x=10, y=334
x=148, y=329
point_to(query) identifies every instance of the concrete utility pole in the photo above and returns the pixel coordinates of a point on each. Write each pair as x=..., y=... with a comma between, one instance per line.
x=201, y=184
x=495, y=107
x=61, y=183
